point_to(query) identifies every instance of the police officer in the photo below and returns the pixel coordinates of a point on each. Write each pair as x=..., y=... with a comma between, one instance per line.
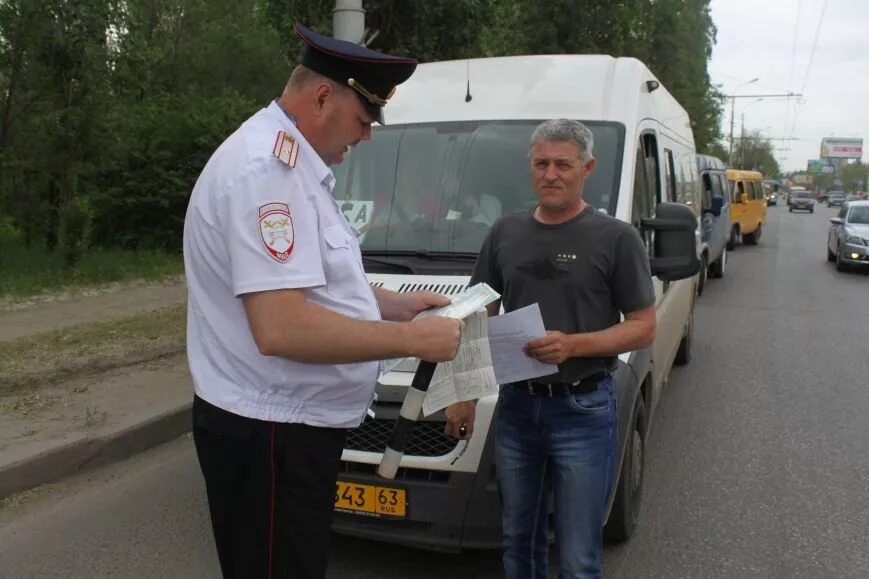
x=284, y=333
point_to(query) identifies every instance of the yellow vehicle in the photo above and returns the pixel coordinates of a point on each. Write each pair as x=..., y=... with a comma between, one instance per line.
x=748, y=207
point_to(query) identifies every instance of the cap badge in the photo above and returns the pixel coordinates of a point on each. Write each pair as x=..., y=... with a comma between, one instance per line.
x=370, y=96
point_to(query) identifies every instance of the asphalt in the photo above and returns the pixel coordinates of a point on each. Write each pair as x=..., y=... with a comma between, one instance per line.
x=757, y=464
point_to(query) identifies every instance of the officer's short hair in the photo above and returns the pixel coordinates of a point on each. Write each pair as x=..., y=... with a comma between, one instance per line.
x=302, y=76
x=566, y=130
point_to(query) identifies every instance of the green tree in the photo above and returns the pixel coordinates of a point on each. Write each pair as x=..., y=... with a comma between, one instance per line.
x=755, y=152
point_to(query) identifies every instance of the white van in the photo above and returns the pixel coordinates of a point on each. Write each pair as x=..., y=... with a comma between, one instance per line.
x=423, y=195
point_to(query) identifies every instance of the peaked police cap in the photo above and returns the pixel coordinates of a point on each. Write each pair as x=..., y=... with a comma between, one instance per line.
x=373, y=75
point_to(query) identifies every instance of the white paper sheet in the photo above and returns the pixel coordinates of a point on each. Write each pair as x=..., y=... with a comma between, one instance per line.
x=508, y=334
x=465, y=303
x=470, y=375
x=462, y=306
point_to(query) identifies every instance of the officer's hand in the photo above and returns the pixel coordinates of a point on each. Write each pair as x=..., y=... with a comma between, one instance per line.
x=416, y=302
x=435, y=338
x=553, y=348
x=397, y=307
x=459, y=415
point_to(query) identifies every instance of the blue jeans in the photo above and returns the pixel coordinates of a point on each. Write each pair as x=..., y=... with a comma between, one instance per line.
x=568, y=442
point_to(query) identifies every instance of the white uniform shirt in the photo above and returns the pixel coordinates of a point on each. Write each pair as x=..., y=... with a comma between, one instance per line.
x=255, y=224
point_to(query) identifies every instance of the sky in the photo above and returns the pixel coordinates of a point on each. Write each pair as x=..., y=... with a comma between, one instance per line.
x=773, y=40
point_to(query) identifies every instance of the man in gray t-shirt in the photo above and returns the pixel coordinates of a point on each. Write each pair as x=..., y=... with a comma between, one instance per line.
x=585, y=270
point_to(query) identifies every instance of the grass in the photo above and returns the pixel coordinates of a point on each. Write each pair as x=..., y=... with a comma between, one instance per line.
x=91, y=347
x=28, y=271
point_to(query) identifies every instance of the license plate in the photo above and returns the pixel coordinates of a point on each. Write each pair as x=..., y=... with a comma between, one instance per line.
x=370, y=500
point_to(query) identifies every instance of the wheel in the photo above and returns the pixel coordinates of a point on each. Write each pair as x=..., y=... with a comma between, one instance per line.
x=751, y=238
x=683, y=354
x=790, y=209
x=830, y=255
x=629, y=493
x=718, y=268
x=734, y=238
x=840, y=265
x=704, y=269
x=812, y=210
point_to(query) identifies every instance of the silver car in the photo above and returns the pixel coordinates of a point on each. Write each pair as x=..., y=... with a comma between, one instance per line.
x=848, y=241
x=802, y=201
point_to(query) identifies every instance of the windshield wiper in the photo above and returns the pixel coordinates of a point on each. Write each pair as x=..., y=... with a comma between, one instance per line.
x=403, y=265
x=423, y=254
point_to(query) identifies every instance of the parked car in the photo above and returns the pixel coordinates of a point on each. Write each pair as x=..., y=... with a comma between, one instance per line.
x=802, y=201
x=835, y=198
x=715, y=218
x=848, y=240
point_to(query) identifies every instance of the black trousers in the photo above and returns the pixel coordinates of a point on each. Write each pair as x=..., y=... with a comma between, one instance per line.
x=271, y=488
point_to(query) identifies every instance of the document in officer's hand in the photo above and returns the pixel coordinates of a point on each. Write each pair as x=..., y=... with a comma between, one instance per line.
x=465, y=303
x=461, y=307
x=470, y=374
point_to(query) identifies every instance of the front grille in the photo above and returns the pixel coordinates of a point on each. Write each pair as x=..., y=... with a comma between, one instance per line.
x=403, y=474
x=427, y=438
x=448, y=289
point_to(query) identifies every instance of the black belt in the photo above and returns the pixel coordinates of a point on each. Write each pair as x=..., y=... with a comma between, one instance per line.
x=584, y=386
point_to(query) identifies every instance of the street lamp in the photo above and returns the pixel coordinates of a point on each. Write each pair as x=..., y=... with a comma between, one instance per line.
x=733, y=115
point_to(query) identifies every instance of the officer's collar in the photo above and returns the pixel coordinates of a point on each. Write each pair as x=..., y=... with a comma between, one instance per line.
x=288, y=123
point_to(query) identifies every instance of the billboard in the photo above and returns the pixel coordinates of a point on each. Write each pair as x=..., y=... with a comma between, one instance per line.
x=816, y=166
x=801, y=179
x=834, y=148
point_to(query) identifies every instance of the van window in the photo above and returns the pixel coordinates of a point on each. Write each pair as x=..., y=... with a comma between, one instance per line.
x=647, y=194
x=738, y=192
x=441, y=186
x=641, y=208
x=723, y=187
x=713, y=186
x=671, y=177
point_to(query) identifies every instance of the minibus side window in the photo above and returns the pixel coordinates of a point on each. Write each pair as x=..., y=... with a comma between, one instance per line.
x=671, y=176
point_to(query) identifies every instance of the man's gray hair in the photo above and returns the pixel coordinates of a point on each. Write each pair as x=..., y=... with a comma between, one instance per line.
x=566, y=130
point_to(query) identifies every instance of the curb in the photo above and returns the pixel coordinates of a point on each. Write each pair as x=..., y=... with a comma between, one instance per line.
x=68, y=458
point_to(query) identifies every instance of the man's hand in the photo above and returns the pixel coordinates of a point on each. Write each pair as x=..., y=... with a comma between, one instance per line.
x=403, y=307
x=553, y=348
x=458, y=415
x=435, y=338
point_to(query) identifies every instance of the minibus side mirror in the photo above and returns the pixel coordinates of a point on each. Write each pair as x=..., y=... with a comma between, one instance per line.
x=837, y=220
x=675, y=241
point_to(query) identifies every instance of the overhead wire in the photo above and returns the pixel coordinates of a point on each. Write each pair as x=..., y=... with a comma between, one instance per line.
x=790, y=84
x=811, y=60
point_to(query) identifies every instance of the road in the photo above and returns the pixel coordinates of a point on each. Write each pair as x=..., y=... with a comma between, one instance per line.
x=757, y=464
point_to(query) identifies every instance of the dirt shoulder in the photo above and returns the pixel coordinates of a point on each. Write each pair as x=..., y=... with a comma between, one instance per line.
x=35, y=419
x=24, y=318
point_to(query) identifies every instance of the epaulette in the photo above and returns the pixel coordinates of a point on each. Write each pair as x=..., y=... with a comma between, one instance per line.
x=286, y=149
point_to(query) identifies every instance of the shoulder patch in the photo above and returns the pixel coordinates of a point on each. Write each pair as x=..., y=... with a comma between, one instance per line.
x=276, y=230
x=286, y=149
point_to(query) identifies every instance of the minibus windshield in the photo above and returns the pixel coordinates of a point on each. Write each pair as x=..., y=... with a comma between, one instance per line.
x=439, y=187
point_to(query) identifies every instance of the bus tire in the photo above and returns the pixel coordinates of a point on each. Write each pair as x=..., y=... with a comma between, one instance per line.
x=625, y=512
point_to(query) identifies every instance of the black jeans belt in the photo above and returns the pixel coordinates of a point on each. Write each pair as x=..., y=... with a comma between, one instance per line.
x=584, y=386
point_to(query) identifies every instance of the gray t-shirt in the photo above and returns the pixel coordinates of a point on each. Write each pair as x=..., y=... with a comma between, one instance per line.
x=583, y=273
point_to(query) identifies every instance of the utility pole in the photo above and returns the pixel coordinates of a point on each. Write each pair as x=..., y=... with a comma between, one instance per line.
x=348, y=21
x=733, y=98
